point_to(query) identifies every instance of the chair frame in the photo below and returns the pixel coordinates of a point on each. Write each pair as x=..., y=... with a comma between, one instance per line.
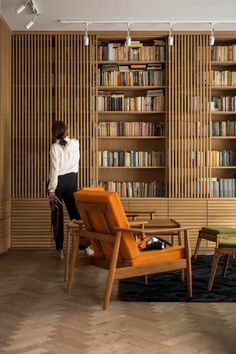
x=118, y=271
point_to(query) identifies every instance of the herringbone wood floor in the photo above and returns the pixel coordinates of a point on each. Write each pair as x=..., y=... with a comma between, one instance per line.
x=38, y=317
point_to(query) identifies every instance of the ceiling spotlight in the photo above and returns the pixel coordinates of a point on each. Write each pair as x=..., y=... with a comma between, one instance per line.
x=21, y=8
x=128, y=38
x=86, y=37
x=170, y=37
x=212, y=36
x=29, y=24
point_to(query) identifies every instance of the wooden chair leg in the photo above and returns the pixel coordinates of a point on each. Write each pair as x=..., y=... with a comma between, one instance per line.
x=67, y=256
x=112, y=270
x=213, y=269
x=73, y=263
x=182, y=275
x=189, y=265
x=226, y=263
x=197, y=246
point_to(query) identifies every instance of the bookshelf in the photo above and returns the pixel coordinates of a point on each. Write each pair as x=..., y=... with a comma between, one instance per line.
x=223, y=118
x=132, y=117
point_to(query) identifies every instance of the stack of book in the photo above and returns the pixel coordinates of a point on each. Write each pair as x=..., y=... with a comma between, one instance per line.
x=223, y=53
x=131, y=75
x=135, y=189
x=223, y=158
x=130, y=158
x=154, y=101
x=123, y=128
x=224, y=128
x=223, y=104
x=223, y=187
x=223, y=78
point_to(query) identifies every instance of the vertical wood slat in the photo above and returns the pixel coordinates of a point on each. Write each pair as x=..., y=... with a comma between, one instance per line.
x=75, y=87
x=5, y=134
x=188, y=138
x=32, y=68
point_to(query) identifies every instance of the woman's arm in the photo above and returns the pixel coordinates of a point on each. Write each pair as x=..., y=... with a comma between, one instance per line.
x=54, y=168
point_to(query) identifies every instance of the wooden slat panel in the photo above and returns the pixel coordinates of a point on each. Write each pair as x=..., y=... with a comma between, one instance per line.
x=188, y=117
x=160, y=206
x=31, y=223
x=191, y=213
x=5, y=136
x=32, y=114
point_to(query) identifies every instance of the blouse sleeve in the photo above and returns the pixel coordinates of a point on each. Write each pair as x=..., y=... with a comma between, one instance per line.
x=54, y=168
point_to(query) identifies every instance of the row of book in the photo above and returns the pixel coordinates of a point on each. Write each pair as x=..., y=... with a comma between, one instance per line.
x=109, y=51
x=223, y=104
x=224, y=128
x=223, y=78
x=223, y=53
x=122, y=128
x=153, y=101
x=223, y=187
x=131, y=158
x=223, y=158
x=135, y=189
x=130, y=78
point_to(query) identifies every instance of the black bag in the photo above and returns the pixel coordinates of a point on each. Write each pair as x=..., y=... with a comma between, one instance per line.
x=156, y=243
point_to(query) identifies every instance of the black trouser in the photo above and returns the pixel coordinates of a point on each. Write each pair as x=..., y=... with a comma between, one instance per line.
x=67, y=185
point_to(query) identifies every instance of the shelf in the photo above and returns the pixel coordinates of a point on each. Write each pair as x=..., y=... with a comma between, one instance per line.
x=223, y=137
x=223, y=63
x=130, y=62
x=223, y=87
x=132, y=167
x=135, y=88
x=132, y=137
x=223, y=113
x=131, y=112
x=224, y=167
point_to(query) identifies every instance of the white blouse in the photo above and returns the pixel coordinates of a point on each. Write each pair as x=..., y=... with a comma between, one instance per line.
x=63, y=160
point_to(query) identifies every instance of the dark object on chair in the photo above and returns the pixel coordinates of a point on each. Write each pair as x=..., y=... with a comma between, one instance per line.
x=156, y=243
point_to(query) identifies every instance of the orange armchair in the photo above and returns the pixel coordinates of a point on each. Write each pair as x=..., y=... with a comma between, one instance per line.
x=114, y=243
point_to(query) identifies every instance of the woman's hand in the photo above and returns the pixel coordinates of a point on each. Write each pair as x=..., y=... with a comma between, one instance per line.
x=51, y=197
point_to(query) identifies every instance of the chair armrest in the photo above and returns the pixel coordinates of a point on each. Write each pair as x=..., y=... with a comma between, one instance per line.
x=150, y=231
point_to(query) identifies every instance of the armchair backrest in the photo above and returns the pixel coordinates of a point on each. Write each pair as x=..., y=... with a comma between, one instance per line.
x=101, y=211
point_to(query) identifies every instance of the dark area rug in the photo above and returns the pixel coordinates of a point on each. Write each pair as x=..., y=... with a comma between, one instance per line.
x=168, y=286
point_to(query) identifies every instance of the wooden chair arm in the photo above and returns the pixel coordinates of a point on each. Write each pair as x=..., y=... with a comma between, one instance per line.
x=150, y=231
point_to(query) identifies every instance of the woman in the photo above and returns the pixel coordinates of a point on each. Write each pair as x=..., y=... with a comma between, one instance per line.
x=64, y=160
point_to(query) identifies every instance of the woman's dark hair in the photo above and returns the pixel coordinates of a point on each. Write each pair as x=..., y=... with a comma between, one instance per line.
x=59, y=130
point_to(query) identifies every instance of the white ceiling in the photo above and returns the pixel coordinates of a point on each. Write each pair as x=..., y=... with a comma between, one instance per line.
x=53, y=10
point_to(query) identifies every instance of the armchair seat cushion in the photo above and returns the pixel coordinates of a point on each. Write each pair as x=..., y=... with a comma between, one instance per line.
x=159, y=256
x=217, y=230
x=228, y=243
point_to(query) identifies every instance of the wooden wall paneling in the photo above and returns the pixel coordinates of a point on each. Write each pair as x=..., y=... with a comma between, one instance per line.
x=31, y=118
x=191, y=213
x=161, y=206
x=188, y=147
x=5, y=136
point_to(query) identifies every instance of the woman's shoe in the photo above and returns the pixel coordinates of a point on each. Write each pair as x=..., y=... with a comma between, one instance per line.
x=58, y=254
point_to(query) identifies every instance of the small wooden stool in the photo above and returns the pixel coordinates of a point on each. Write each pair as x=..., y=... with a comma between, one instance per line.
x=214, y=234
x=72, y=229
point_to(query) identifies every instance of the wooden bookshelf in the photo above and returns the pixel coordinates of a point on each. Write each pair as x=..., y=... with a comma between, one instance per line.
x=136, y=142
x=223, y=84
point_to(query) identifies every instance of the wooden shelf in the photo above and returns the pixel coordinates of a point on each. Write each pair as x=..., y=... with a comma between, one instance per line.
x=223, y=63
x=132, y=137
x=224, y=167
x=134, y=88
x=223, y=137
x=131, y=112
x=129, y=62
x=223, y=113
x=223, y=87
